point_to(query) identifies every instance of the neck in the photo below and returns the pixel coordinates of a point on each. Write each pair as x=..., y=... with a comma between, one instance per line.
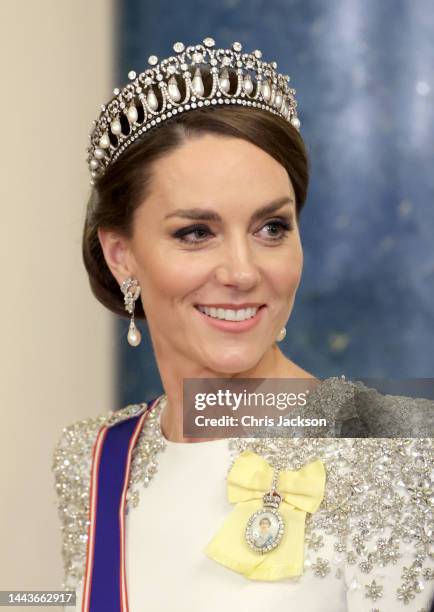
x=273, y=365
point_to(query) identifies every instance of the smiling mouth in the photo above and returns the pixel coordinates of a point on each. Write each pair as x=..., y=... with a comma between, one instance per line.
x=229, y=314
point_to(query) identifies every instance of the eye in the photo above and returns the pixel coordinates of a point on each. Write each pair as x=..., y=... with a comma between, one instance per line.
x=282, y=226
x=199, y=233
x=192, y=229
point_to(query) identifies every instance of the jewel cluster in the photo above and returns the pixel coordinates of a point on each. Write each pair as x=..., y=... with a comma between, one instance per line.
x=131, y=290
x=136, y=108
x=251, y=540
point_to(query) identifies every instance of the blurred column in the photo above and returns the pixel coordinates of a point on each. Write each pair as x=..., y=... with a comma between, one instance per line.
x=56, y=341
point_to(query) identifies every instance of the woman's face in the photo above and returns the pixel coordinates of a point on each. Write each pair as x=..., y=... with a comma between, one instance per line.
x=264, y=525
x=200, y=239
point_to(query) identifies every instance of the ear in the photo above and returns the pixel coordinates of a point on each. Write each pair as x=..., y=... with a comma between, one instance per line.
x=117, y=254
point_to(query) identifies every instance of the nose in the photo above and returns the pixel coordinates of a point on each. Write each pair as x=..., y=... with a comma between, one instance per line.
x=238, y=267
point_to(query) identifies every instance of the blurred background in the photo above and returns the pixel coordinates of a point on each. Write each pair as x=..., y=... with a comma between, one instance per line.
x=364, y=75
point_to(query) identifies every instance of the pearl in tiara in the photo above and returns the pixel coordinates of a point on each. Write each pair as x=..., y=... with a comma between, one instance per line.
x=175, y=85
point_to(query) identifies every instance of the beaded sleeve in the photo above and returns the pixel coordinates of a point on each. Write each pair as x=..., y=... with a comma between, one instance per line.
x=71, y=466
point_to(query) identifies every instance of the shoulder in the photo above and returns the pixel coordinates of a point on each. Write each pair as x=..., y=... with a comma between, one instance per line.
x=71, y=467
x=74, y=445
x=357, y=410
x=396, y=416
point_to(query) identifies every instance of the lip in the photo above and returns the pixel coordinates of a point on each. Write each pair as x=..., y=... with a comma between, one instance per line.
x=233, y=326
x=234, y=306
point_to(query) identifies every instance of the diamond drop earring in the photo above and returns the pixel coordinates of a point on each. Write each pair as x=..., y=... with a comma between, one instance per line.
x=131, y=290
x=281, y=335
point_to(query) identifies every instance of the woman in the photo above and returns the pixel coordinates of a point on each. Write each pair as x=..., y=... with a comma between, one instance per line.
x=263, y=536
x=199, y=177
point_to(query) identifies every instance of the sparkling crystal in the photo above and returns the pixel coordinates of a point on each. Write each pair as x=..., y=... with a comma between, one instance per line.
x=179, y=47
x=209, y=42
x=237, y=46
x=132, y=75
x=152, y=60
x=321, y=567
x=354, y=585
x=373, y=591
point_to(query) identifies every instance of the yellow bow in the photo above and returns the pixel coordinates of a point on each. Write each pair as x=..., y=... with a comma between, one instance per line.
x=248, y=480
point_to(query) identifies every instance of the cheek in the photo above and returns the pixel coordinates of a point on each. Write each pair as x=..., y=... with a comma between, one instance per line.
x=171, y=274
x=286, y=281
x=285, y=275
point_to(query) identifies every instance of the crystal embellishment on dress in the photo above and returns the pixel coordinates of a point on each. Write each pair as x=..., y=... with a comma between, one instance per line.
x=266, y=526
x=370, y=510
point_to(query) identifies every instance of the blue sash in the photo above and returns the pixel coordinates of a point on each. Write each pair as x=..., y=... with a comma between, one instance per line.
x=105, y=584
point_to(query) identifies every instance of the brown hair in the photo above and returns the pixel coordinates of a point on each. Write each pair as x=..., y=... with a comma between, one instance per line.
x=126, y=183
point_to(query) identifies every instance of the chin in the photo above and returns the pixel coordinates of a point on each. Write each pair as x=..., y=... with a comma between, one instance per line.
x=233, y=364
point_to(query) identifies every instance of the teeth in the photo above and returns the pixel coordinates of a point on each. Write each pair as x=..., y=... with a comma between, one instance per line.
x=229, y=315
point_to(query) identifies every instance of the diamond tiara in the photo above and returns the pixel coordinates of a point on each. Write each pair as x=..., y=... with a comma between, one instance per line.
x=175, y=85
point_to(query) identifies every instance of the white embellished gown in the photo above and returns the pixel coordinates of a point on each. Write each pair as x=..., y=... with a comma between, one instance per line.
x=368, y=548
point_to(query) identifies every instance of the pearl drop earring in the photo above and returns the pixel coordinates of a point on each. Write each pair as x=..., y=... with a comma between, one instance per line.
x=281, y=335
x=131, y=290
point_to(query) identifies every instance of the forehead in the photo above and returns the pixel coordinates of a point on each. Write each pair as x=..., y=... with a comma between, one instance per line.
x=218, y=168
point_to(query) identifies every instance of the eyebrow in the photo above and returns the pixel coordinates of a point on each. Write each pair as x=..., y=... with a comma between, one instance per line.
x=203, y=214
